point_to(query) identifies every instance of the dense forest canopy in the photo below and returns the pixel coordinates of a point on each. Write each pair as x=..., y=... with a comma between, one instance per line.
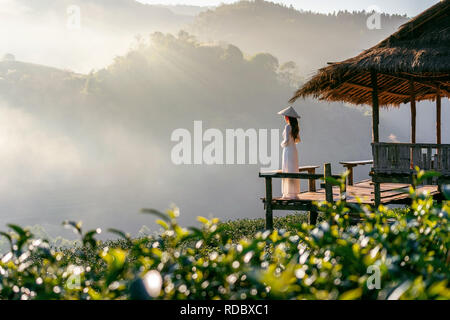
x=311, y=39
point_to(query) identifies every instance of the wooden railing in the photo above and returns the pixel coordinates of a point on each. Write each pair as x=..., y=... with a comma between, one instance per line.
x=402, y=158
x=311, y=176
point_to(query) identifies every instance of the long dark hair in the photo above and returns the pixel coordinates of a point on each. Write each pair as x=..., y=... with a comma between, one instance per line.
x=295, y=128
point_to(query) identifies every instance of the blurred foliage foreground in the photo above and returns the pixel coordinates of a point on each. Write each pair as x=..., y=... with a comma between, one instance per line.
x=383, y=255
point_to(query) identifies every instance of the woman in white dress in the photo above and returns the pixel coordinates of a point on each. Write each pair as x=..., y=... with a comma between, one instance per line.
x=290, y=188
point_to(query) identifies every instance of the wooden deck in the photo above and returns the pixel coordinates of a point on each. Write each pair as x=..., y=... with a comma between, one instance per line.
x=391, y=193
x=371, y=192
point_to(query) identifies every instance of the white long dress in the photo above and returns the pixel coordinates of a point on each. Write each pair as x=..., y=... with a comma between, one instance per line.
x=290, y=188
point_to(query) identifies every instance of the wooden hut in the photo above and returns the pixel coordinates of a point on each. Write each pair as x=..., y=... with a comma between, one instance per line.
x=411, y=65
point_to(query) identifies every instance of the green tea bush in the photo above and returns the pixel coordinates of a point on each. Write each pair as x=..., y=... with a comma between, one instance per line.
x=376, y=257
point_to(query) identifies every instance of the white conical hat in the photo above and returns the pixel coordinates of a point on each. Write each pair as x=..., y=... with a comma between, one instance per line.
x=290, y=112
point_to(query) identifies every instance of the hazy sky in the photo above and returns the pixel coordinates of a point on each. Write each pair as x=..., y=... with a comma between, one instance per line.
x=410, y=7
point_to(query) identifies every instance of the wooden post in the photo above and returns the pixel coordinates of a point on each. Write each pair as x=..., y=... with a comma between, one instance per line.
x=312, y=182
x=313, y=217
x=438, y=115
x=375, y=108
x=328, y=186
x=350, y=175
x=312, y=188
x=375, y=135
x=412, y=94
x=377, y=194
x=269, y=214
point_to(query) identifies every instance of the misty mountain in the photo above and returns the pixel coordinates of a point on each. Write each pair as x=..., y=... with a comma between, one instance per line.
x=80, y=35
x=122, y=16
x=310, y=39
x=107, y=28
x=97, y=147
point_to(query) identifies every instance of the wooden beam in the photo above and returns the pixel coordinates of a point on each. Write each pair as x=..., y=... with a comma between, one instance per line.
x=428, y=78
x=302, y=176
x=433, y=85
x=418, y=145
x=413, y=111
x=297, y=206
x=438, y=115
x=447, y=93
x=427, y=82
x=375, y=108
x=380, y=91
x=445, y=84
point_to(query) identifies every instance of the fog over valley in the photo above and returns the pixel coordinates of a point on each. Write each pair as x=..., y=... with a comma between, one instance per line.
x=87, y=115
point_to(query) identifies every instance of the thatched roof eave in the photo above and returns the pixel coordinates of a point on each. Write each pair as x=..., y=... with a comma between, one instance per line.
x=418, y=52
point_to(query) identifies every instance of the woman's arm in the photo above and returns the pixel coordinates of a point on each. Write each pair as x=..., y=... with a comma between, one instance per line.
x=286, y=134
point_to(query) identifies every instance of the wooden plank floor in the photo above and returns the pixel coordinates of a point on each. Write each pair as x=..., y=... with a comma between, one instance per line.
x=390, y=193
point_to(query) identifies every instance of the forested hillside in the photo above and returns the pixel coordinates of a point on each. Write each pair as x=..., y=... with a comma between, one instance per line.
x=310, y=39
x=80, y=35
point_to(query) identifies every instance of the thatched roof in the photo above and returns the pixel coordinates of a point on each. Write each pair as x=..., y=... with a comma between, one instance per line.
x=419, y=50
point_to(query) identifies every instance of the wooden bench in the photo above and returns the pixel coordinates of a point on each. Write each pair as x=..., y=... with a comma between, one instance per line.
x=271, y=204
x=349, y=165
x=310, y=170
